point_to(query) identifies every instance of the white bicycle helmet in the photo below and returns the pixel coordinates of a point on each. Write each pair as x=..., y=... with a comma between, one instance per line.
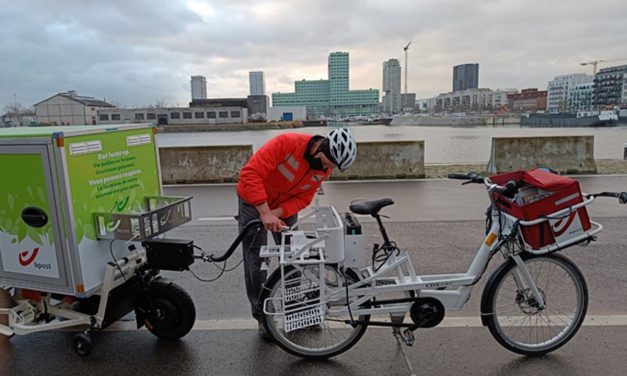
x=342, y=147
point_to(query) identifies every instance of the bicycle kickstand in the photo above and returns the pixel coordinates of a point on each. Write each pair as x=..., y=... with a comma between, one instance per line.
x=406, y=337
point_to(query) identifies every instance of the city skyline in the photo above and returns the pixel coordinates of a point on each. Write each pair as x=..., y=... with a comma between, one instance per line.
x=133, y=53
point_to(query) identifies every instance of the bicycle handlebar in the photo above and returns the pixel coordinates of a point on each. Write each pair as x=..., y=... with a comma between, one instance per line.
x=471, y=177
x=622, y=196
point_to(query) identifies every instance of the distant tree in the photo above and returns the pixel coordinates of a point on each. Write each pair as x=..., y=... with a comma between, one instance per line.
x=16, y=114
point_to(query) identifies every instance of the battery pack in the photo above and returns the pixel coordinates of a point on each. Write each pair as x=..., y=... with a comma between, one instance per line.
x=352, y=225
x=354, y=242
x=169, y=254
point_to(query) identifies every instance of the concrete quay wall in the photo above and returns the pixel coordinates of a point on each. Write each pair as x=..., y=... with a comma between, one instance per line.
x=566, y=154
x=386, y=160
x=217, y=164
x=203, y=164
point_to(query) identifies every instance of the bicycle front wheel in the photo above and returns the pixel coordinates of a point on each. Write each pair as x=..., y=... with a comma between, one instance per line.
x=515, y=318
x=318, y=341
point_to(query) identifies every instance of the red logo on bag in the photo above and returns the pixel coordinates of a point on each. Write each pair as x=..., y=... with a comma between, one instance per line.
x=25, y=259
x=560, y=227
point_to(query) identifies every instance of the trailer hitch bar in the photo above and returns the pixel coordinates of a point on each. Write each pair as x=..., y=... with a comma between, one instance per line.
x=253, y=226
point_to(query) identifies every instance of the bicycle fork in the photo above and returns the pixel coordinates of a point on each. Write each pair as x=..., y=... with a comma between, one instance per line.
x=525, y=282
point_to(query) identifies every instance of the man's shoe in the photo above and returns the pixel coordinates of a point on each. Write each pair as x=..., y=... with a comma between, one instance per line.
x=263, y=333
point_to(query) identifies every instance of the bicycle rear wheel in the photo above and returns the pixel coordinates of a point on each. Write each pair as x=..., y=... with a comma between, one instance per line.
x=513, y=315
x=320, y=341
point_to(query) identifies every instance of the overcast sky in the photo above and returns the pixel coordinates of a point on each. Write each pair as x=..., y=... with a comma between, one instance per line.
x=138, y=52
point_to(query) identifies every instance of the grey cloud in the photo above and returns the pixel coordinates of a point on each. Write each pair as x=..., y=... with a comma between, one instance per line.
x=136, y=52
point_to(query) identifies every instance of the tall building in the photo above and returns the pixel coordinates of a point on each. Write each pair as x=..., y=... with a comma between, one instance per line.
x=610, y=86
x=391, y=86
x=465, y=76
x=559, y=87
x=257, y=83
x=330, y=97
x=199, y=87
x=338, y=76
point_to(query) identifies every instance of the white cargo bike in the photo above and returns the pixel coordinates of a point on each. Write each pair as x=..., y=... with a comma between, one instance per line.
x=320, y=300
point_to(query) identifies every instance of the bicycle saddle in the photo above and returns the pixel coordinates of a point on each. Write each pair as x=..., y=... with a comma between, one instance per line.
x=370, y=207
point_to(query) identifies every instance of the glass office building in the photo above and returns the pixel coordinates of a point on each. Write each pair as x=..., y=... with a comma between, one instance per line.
x=465, y=76
x=330, y=97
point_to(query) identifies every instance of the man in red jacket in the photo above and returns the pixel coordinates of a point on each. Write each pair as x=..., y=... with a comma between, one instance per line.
x=278, y=181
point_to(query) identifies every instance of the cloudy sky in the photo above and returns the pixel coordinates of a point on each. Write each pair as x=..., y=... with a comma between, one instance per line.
x=138, y=52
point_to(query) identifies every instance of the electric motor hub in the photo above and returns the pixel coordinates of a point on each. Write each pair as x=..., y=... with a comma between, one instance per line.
x=427, y=312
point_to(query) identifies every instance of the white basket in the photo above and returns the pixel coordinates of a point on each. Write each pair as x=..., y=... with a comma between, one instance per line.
x=304, y=318
x=294, y=291
x=302, y=301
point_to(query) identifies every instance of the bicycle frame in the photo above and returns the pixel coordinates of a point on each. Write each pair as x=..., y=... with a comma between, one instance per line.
x=453, y=290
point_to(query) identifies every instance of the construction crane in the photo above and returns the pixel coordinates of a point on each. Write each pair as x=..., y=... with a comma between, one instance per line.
x=406, y=69
x=595, y=62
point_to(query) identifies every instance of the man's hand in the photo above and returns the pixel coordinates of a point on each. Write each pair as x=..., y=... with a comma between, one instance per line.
x=270, y=218
x=272, y=222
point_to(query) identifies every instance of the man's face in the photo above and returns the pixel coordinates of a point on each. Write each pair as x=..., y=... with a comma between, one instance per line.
x=326, y=162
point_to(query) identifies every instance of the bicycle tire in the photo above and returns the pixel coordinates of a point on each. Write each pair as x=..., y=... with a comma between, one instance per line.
x=328, y=339
x=524, y=329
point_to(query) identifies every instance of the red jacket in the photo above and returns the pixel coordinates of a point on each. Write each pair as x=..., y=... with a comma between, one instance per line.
x=279, y=174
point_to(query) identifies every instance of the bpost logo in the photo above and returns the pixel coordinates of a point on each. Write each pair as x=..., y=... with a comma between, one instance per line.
x=562, y=225
x=119, y=207
x=26, y=258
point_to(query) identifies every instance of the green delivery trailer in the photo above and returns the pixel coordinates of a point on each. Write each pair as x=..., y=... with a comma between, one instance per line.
x=77, y=206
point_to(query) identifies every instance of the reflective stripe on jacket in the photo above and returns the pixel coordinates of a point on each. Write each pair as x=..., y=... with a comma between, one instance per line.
x=279, y=174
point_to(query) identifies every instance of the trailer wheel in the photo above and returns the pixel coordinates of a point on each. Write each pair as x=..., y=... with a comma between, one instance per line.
x=172, y=312
x=82, y=344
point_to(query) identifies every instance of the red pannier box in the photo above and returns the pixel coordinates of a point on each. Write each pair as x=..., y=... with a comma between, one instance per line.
x=562, y=192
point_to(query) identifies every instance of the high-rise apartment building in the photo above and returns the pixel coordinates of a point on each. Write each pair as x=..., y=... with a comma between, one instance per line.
x=199, y=87
x=610, y=86
x=257, y=83
x=558, y=90
x=465, y=76
x=330, y=97
x=391, y=86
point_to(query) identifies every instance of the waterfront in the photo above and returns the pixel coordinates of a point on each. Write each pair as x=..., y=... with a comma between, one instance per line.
x=443, y=145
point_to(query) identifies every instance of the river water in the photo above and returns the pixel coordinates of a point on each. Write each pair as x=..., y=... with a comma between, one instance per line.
x=443, y=145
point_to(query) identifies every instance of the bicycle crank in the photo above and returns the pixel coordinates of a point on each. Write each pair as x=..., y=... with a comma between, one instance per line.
x=426, y=313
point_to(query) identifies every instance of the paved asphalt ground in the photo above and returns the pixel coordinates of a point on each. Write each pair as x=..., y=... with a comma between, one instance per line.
x=437, y=221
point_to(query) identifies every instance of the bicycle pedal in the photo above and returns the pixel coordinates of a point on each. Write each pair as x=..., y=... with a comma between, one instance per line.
x=408, y=337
